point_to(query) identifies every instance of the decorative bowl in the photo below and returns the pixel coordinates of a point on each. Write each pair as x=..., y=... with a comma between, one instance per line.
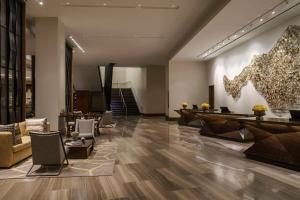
x=75, y=135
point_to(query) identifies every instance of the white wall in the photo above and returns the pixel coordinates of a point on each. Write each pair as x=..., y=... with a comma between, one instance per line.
x=232, y=62
x=155, y=91
x=187, y=83
x=50, y=69
x=167, y=90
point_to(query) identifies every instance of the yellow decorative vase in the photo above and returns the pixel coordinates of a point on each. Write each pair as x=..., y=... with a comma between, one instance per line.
x=259, y=111
x=184, y=105
x=205, y=107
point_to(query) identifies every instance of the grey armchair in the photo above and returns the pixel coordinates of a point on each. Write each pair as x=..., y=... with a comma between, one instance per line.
x=49, y=152
x=107, y=121
x=85, y=128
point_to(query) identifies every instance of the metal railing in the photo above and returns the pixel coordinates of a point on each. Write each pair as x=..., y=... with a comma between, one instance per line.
x=123, y=102
x=119, y=86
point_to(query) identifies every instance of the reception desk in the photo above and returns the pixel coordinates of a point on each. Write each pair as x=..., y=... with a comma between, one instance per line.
x=276, y=141
x=215, y=124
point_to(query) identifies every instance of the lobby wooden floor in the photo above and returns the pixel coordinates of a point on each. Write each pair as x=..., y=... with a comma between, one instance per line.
x=159, y=160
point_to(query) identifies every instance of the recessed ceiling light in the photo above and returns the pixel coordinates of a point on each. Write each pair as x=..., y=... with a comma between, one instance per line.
x=68, y=3
x=243, y=31
x=41, y=3
x=261, y=19
x=77, y=44
x=123, y=6
x=273, y=12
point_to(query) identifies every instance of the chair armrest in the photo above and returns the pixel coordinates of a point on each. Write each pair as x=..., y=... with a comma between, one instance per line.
x=6, y=151
x=48, y=127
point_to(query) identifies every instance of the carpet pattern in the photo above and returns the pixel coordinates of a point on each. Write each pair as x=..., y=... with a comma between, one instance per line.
x=101, y=162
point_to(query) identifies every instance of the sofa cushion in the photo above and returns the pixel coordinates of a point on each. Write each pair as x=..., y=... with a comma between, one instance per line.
x=15, y=130
x=37, y=125
x=23, y=131
x=26, y=143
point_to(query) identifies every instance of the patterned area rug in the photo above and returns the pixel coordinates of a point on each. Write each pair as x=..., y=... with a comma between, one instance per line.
x=101, y=162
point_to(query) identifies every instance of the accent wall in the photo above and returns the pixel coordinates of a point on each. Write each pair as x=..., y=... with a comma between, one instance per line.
x=232, y=62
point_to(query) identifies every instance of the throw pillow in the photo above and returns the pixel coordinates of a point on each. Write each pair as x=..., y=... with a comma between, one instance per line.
x=17, y=137
x=36, y=125
x=15, y=130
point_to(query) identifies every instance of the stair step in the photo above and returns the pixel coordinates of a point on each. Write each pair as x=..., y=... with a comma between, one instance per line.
x=117, y=106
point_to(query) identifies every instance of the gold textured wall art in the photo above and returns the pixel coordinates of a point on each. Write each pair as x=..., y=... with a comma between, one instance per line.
x=275, y=75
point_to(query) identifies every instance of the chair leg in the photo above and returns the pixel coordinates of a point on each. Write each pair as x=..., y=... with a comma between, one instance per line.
x=66, y=159
x=57, y=174
x=29, y=170
x=65, y=153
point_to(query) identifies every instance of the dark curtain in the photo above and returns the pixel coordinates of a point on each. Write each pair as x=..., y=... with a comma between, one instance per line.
x=108, y=84
x=12, y=79
x=69, y=58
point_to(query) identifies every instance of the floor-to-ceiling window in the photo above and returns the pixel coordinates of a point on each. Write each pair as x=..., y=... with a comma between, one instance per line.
x=69, y=62
x=11, y=84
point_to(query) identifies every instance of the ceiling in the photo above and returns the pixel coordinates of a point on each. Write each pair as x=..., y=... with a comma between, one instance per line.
x=235, y=15
x=129, y=36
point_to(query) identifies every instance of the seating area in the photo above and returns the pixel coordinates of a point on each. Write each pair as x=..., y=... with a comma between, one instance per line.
x=150, y=100
x=12, y=152
x=50, y=150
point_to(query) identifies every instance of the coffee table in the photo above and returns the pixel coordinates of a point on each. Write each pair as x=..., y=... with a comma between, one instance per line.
x=80, y=151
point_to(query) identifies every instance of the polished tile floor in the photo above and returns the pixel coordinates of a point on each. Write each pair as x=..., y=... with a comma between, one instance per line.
x=160, y=160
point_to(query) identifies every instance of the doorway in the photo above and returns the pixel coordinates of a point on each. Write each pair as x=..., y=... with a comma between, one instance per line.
x=211, y=94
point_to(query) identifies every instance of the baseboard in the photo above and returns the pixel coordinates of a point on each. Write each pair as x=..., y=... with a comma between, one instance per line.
x=171, y=118
x=153, y=114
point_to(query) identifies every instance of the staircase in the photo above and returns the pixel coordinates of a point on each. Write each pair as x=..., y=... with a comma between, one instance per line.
x=117, y=104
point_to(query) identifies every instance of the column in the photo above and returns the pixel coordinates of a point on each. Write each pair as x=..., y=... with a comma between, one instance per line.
x=50, y=69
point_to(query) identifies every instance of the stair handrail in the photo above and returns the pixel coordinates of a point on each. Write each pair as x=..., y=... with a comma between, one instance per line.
x=123, y=101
